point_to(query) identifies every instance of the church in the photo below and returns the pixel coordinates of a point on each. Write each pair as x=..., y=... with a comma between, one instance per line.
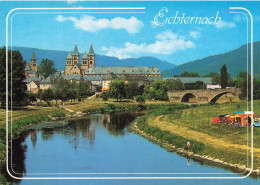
x=73, y=66
x=88, y=68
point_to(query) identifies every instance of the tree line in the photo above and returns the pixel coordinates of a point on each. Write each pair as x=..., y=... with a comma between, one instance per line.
x=64, y=91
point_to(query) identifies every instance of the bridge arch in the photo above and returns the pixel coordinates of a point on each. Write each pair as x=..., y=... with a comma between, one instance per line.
x=216, y=97
x=188, y=96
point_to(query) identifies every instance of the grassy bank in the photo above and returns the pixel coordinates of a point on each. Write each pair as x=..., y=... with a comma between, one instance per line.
x=177, y=125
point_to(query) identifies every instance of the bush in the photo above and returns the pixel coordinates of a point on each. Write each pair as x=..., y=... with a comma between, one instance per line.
x=111, y=106
x=104, y=96
x=2, y=179
x=140, y=99
x=59, y=114
x=39, y=103
x=102, y=110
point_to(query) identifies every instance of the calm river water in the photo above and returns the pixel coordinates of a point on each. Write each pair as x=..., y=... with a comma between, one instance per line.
x=102, y=144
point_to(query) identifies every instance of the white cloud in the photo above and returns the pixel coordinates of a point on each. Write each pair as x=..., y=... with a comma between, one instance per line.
x=73, y=1
x=195, y=34
x=166, y=43
x=225, y=24
x=92, y=24
x=238, y=18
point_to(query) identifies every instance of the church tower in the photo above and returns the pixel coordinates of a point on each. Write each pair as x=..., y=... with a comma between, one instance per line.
x=34, y=62
x=91, y=57
x=85, y=63
x=75, y=55
x=69, y=64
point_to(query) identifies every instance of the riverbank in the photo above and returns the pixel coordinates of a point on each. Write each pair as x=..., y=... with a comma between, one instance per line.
x=173, y=122
x=23, y=117
x=220, y=144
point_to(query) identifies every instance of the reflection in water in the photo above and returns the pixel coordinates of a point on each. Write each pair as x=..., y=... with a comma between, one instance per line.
x=188, y=161
x=96, y=144
x=79, y=134
x=115, y=123
x=34, y=137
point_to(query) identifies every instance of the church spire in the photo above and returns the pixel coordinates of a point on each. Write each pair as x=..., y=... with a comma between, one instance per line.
x=33, y=55
x=76, y=51
x=91, y=51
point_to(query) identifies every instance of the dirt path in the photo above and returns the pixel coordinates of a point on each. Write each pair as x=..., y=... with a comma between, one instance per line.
x=93, y=96
x=199, y=136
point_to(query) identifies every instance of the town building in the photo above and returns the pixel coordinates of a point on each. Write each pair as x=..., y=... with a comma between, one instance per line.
x=73, y=66
x=98, y=77
x=34, y=62
x=205, y=80
x=125, y=70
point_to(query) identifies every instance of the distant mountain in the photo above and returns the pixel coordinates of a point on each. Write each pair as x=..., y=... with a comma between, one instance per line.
x=59, y=57
x=235, y=61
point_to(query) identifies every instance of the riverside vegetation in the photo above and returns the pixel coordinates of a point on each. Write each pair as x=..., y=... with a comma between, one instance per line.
x=178, y=124
x=174, y=124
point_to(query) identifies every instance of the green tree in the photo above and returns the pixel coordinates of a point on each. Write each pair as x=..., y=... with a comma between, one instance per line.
x=56, y=95
x=39, y=94
x=72, y=93
x=223, y=77
x=61, y=90
x=83, y=89
x=32, y=97
x=194, y=85
x=117, y=89
x=257, y=89
x=160, y=90
x=174, y=85
x=157, y=90
x=241, y=82
x=104, y=96
x=131, y=90
x=47, y=95
x=140, y=99
x=46, y=68
x=16, y=78
x=215, y=77
x=189, y=74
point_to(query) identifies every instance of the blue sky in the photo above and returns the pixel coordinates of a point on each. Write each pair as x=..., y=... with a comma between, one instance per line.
x=129, y=33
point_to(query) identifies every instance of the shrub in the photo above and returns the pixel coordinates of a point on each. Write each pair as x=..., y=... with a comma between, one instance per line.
x=111, y=106
x=140, y=99
x=39, y=103
x=2, y=179
x=59, y=114
x=102, y=110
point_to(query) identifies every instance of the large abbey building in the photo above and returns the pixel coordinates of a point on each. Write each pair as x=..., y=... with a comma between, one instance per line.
x=73, y=65
x=87, y=70
x=87, y=67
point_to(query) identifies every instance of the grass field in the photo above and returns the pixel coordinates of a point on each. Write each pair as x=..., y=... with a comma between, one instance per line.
x=98, y=103
x=21, y=113
x=228, y=143
x=224, y=142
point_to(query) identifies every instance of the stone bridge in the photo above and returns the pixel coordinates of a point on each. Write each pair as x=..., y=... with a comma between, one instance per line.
x=202, y=95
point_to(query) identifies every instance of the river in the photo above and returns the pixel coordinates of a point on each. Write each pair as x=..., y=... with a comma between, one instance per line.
x=101, y=146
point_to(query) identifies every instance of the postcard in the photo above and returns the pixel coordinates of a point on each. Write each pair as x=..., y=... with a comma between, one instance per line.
x=129, y=92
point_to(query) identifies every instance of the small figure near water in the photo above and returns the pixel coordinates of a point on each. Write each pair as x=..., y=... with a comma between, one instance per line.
x=188, y=161
x=188, y=145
